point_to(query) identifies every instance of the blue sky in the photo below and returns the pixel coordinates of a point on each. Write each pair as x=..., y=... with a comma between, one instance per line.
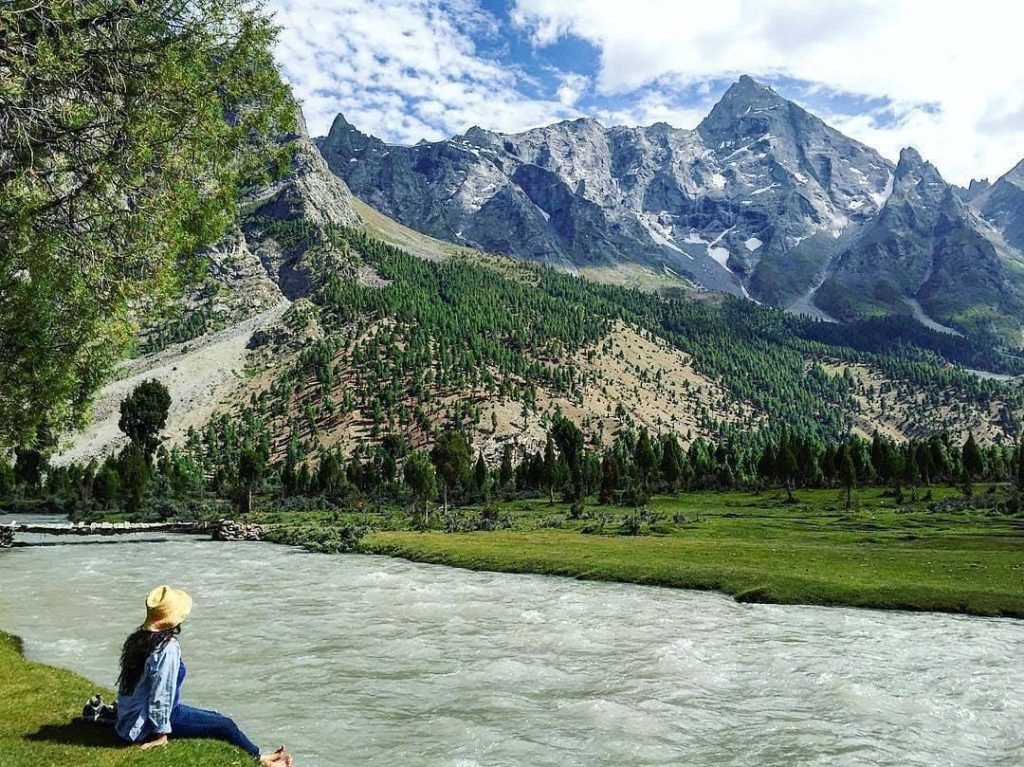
x=941, y=76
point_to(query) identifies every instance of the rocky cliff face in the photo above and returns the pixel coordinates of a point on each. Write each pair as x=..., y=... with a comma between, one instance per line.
x=1002, y=205
x=923, y=255
x=279, y=249
x=286, y=224
x=198, y=345
x=762, y=199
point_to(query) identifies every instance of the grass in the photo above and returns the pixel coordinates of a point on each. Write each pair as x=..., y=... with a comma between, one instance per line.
x=758, y=548
x=39, y=706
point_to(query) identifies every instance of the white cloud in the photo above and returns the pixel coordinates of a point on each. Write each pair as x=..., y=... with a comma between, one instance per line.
x=572, y=88
x=963, y=58
x=405, y=70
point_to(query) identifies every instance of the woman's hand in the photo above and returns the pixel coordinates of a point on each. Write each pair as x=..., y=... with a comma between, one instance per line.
x=155, y=743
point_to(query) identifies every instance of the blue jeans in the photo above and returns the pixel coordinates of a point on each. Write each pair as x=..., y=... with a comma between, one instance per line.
x=191, y=722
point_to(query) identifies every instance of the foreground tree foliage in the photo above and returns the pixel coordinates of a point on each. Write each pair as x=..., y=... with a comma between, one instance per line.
x=126, y=130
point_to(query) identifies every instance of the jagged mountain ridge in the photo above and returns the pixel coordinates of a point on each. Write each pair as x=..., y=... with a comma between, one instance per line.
x=761, y=199
x=1002, y=205
x=308, y=193
x=924, y=252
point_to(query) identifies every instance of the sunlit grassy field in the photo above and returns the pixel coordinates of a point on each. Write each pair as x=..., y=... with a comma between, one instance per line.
x=754, y=546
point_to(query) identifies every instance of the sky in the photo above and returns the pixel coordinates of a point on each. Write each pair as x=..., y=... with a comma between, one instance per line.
x=945, y=77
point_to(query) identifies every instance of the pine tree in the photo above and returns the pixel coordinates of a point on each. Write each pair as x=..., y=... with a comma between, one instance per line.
x=911, y=471
x=786, y=466
x=133, y=469
x=506, y=472
x=643, y=455
x=480, y=475
x=570, y=442
x=144, y=414
x=671, y=461
x=252, y=465
x=972, y=458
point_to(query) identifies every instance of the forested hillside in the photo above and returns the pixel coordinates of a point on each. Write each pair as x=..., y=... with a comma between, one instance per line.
x=495, y=348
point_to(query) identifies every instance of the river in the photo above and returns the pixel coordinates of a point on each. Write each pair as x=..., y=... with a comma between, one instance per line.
x=358, y=660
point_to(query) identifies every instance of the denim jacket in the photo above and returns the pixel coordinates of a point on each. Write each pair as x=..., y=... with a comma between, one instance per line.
x=147, y=709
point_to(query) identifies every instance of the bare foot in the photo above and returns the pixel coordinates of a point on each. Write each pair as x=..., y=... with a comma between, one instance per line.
x=279, y=758
x=154, y=743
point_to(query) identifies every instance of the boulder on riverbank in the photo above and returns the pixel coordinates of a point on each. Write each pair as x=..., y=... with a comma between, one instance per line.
x=230, y=530
x=6, y=537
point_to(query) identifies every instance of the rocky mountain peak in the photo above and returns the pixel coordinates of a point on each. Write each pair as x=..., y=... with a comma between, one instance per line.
x=344, y=133
x=309, y=194
x=910, y=160
x=913, y=168
x=749, y=92
x=340, y=122
x=579, y=126
x=917, y=175
x=478, y=136
x=763, y=199
x=1002, y=205
x=1016, y=175
x=977, y=187
x=745, y=108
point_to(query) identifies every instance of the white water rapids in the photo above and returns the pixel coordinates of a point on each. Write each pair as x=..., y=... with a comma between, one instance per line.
x=356, y=660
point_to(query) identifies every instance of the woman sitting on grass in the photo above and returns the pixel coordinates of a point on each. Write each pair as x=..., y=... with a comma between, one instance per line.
x=148, y=707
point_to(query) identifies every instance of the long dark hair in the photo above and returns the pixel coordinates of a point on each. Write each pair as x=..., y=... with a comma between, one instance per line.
x=137, y=648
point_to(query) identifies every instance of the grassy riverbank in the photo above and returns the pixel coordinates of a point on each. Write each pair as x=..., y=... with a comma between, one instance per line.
x=911, y=577
x=39, y=706
x=758, y=548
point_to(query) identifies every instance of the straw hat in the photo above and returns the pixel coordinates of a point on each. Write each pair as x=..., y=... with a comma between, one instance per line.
x=166, y=608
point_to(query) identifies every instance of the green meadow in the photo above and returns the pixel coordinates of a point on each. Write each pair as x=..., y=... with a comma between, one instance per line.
x=757, y=547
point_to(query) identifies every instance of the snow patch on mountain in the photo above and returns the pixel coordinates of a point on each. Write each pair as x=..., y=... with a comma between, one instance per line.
x=659, y=233
x=880, y=198
x=720, y=254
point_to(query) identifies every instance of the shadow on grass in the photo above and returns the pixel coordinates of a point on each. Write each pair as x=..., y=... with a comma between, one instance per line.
x=78, y=734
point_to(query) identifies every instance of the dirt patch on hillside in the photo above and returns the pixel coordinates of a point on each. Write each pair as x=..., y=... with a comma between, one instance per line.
x=201, y=376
